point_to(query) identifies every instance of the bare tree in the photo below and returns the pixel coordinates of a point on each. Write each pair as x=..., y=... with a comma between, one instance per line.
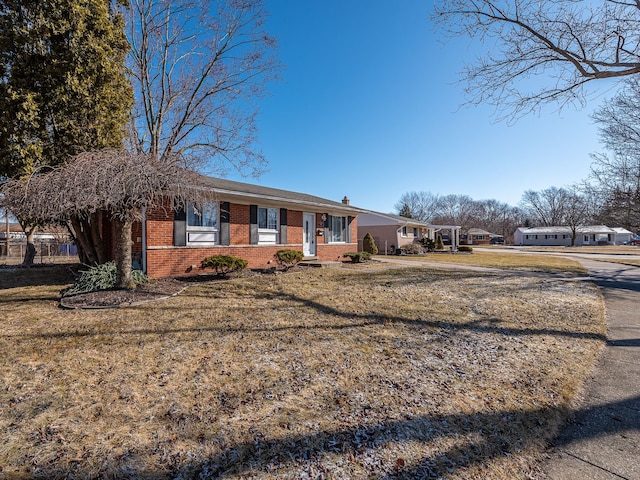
x=116, y=182
x=459, y=210
x=422, y=205
x=196, y=68
x=547, y=206
x=615, y=176
x=498, y=217
x=570, y=42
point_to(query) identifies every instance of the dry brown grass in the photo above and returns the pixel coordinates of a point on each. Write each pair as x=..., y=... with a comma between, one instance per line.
x=504, y=260
x=398, y=373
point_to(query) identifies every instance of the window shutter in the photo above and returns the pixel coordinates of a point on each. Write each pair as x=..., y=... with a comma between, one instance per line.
x=283, y=226
x=253, y=224
x=179, y=227
x=347, y=236
x=327, y=229
x=225, y=219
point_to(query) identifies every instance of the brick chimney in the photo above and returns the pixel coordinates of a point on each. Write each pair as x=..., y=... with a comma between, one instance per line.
x=345, y=200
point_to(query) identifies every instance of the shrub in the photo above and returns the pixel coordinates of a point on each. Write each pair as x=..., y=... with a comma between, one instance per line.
x=439, y=244
x=428, y=244
x=288, y=258
x=369, y=244
x=224, y=264
x=101, y=277
x=412, y=248
x=357, y=257
x=465, y=248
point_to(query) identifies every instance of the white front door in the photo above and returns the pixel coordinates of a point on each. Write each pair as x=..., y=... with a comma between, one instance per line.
x=309, y=234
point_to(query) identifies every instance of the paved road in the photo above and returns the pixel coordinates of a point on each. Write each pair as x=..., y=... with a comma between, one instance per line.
x=603, y=442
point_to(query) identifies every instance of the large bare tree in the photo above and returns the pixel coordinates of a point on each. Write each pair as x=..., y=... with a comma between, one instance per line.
x=422, y=206
x=117, y=183
x=197, y=67
x=569, y=42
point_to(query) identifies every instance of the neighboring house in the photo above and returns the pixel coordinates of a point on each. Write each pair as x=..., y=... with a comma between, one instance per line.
x=561, y=236
x=247, y=221
x=391, y=232
x=623, y=236
x=477, y=236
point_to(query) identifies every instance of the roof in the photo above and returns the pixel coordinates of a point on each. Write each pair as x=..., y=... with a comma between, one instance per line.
x=622, y=231
x=249, y=192
x=479, y=231
x=400, y=220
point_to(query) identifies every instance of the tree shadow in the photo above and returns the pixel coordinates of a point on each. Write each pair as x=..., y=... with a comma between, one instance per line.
x=477, y=439
x=36, y=275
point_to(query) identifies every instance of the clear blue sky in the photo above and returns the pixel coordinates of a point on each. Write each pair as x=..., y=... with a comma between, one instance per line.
x=369, y=108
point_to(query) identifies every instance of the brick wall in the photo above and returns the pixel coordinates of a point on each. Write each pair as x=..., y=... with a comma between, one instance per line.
x=164, y=259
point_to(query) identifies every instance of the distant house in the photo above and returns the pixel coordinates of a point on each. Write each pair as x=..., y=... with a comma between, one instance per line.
x=477, y=236
x=391, y=232
x=561, y=236
x=248, y=221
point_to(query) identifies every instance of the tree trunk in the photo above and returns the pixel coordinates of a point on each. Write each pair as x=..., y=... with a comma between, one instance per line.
x=124, y=278
x=86, y=234
x=30, y=254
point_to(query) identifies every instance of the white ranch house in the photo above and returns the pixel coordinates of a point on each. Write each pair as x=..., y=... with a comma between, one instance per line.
x=561, y=236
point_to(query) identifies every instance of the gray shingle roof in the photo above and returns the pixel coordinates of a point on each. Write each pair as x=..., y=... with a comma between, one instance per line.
x=249, y=191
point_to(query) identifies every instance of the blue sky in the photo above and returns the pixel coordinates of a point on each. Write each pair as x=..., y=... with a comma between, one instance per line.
x=369, y=107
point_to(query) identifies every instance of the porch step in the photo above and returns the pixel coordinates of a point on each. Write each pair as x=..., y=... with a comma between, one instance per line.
x=320, y=263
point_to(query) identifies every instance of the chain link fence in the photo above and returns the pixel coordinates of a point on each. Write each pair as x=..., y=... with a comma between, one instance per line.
x=46, y=252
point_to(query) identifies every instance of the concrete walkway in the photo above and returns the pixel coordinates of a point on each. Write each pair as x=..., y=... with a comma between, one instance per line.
x=603, y=441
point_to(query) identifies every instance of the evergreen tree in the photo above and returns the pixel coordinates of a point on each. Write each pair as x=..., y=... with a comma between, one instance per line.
x=63, y=90
x=405, y=211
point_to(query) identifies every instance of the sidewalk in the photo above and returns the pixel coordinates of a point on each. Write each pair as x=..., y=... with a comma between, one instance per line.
x=603, y=441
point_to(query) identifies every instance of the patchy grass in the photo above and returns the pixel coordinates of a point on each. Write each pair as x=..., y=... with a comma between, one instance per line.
x=505, y=260
x=347, y=373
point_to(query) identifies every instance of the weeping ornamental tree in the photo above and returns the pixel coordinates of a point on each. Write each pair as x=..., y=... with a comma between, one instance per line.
x=63, y=90
x=117, y=183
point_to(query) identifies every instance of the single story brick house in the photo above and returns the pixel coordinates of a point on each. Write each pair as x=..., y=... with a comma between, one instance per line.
x=391, y=232
x=248, y=221
x=478, y=236
x=561, y=235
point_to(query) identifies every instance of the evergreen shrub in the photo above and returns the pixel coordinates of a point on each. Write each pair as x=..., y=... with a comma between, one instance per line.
x=224, y=264
x=288, y=258
x=369, y=244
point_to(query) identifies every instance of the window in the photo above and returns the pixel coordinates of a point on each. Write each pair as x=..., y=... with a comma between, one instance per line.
x=415, y=232
x=205, y=215
x=268, y=218
x=202, y=223
x=339, y=229
x=479, y=237
x=404, y=231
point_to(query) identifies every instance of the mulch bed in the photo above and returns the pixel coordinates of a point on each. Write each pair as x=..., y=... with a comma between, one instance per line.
x=154, y=290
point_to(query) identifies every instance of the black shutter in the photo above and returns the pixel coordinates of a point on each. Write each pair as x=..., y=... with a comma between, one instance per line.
x=225, y=219
x=253, y=224
x=283, y=226
x=179, y=227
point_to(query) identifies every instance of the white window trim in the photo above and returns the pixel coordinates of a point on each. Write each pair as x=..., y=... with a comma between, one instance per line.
x=346, y=227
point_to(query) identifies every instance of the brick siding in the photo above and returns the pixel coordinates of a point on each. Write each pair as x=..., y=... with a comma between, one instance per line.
x=164, y=259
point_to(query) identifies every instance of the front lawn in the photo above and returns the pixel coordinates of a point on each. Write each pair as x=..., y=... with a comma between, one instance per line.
x=345, y=373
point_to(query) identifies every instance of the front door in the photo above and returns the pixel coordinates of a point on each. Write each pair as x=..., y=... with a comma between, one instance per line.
x=309, y=234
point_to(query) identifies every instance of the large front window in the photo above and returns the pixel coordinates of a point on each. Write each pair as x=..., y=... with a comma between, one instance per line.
x=202, y=223
x=338, y=229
